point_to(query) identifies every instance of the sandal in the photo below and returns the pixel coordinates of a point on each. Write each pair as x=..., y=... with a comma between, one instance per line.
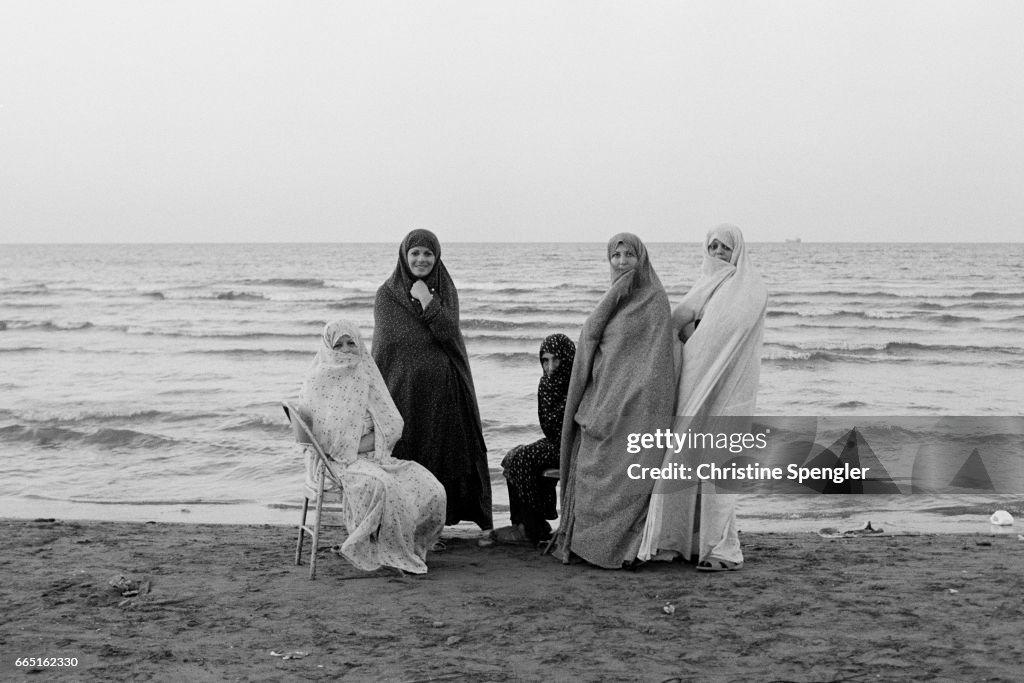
x=718, y=566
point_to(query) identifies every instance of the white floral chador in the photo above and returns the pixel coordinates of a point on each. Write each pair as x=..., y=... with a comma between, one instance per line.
x=394, y=510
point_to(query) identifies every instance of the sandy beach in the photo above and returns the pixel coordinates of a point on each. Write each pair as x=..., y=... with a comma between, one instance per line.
x=172, y=602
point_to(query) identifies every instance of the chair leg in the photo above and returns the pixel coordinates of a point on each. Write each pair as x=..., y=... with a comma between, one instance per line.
x=302, y=531
x=316, y=524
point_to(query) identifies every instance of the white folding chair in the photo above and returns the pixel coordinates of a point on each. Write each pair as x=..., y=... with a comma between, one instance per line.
x=325, y=467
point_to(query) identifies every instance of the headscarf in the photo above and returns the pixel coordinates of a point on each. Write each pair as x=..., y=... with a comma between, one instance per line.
x=638, y=296
x=722, y=359
x=341, y=389
x=641, y=275
x=563, y=349
x=402, y=279
x=714, y=271
x=552, y=390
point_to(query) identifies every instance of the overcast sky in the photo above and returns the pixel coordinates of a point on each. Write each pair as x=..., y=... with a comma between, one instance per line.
x=245, y=121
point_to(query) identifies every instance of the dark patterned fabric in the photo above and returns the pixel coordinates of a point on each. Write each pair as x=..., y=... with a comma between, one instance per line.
x=423, y=359
x=531, y=495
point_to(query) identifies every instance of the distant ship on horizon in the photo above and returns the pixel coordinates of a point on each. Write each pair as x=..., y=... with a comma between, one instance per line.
x=793, y=240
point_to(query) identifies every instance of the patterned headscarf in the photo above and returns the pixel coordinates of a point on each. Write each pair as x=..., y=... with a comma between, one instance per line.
x=551, y=391
x=562, y=348
x=341, y=389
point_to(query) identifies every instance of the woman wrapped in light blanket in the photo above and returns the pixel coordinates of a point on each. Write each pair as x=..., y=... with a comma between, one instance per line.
x=721, y=320
x=393, y=510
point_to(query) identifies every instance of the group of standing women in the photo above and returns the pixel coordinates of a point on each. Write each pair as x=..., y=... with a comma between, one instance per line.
x=420, y=442
x=625, y=381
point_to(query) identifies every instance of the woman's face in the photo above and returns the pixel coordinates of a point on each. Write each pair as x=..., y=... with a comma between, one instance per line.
x=720, y=250
x=346, y=344
x=421, y=261
x=623, y=259
x=549, y=363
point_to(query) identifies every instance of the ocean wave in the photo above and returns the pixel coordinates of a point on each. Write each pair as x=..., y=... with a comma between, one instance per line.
x=864, y=315
x=848, y=293
x=890, y=352
x=309, y=282
x=29, y=304
x=499, y=287
x=801, y=356
x=897, y=347
x=489, y=324
x=26, y=289
x=55, y=436
x=537, y=308
x=879, y=315
x=89, y=417
x=257, y=422
x=508, y=357
x=150, y=501
x=880, y=294
x=239, y=296
x=492, y=324
x=950, y=318
x=359, y=285
x=199, y=334
x=531, y=341
x=995, y=295
x=353, y=302
x=75, y=418
x=47, y=325
x=250, y=352
x=536, y=288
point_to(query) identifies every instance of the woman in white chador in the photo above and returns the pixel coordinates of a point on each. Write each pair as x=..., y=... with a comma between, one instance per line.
x=393, y=509
x=723, y=314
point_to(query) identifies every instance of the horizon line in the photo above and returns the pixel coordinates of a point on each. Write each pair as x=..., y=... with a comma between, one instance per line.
x=289, y=242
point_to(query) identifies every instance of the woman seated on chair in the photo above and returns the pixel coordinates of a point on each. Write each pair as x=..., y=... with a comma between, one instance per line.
x=531, y=495
x=394, y=510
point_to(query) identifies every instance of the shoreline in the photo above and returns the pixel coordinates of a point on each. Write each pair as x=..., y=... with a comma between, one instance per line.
x=975, y=521
x=226, y=602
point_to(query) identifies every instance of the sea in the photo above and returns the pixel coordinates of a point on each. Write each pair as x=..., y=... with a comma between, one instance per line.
x=144, y=381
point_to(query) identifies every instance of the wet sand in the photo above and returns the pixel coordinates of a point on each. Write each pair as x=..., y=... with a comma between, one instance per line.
x=226, y=603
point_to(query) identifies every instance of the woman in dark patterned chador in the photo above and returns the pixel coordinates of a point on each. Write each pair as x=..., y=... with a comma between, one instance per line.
x=531, y=495
x=419, y=349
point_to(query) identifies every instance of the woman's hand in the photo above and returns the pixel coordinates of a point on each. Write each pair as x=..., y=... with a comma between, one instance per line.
x=682, y=316
x=366, y=443
x=421, y=292
x=682, y=320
